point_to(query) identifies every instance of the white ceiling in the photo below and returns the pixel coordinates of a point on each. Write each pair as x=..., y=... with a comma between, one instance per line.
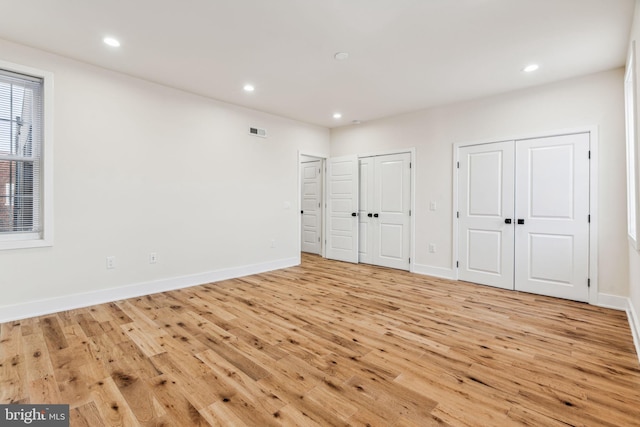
x=405, y=55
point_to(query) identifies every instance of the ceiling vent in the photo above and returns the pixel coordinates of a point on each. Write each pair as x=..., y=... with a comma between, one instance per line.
x=262, y=133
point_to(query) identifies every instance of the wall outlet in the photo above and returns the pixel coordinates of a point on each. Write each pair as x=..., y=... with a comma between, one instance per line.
x=432, y=248
x=433, y=205
x=153, y=258
x=273, y=243
x=111, y=262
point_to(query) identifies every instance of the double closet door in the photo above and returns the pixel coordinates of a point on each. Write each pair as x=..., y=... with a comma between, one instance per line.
x=523, y=210
x=369, y=203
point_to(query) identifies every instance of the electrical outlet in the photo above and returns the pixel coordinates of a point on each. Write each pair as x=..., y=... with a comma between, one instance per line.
x=432, y=248
x=111, y=262
x=153, y=258
x=433, y=205
x=273, y=243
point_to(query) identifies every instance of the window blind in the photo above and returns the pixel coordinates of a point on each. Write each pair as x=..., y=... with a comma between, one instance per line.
x=21, y=133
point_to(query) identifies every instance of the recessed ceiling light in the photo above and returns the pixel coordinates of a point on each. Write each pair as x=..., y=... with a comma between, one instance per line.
x=249, y=88
x=111, y=42
x=356, y=122
x=341, y=56
x=530, y=68
x=337, y=115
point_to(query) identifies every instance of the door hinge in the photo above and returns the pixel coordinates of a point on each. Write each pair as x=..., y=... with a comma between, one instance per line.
x=409, y=212
x=319, y=170
x=409, y=260
x=588, y=218
x=318, y=204
x=457, y=264
x=409, y=165
x=458, y=214
x=589, y=153
x=588, y=283
x=458, y=165
x=318, y=240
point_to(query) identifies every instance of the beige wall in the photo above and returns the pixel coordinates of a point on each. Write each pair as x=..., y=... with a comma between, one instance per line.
x=142, y=168
x=595, y=100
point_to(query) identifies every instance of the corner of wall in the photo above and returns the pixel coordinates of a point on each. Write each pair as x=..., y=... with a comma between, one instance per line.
x=634, y=324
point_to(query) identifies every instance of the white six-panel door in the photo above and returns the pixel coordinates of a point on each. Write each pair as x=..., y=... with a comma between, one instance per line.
x=342, y=209
x=524, y=215
x=552, y=203
x=485, y=192
x=311, y=187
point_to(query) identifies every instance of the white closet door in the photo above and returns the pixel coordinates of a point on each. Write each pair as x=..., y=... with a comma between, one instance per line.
x=365, y=213
x=552, y=203
x=310, y=173
x=391, y=205
x=486, y=207
x=342, y=209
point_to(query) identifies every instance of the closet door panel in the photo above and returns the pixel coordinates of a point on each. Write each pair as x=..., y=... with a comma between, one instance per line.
x=485, y=209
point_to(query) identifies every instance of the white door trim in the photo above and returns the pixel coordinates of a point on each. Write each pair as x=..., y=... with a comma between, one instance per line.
x=593, y=196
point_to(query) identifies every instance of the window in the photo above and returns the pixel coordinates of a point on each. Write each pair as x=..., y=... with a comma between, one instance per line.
x=9, y=191
x=630, y=98
x=24, y=161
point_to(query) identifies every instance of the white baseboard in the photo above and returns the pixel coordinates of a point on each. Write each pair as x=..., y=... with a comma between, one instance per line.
x=634, y=324
x=612, y=301
x=443, y=273
x=70, y=302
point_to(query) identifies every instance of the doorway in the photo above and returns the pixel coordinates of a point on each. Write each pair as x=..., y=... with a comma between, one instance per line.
x=311, y=177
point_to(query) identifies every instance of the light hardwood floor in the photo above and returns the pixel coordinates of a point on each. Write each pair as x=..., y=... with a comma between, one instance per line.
x=328, y=343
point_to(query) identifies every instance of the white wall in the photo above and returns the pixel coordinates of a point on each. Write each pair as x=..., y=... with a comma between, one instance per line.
x=578, y=103
x=634, y=256
x=143, y=168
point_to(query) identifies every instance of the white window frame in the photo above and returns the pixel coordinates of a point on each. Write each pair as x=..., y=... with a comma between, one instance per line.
x=45, y=237
x=633, y=163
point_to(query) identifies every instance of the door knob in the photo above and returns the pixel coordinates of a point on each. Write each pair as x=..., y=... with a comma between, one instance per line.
x=354, y=214
x=301, y=212
x=375, y=215
x=521, y=221
x=507, y=220
x=369, y=215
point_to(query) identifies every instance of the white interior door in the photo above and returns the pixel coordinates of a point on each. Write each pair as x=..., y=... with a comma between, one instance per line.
x=552, y=211
x=485, y=209
x=391, y=211
x=366, y=209
x=524, y=215
x=311, y=211
x=342, y=209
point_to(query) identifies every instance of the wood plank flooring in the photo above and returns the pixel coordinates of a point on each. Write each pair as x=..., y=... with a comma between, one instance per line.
x=328, y=343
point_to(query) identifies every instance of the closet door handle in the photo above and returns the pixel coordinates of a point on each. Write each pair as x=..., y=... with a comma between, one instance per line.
x=354, y=214
x=369, y=215
x=507, y=221
x=301, y=212
x=375, y=215
x=521, y=221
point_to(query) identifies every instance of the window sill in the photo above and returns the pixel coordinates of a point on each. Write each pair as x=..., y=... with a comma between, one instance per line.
x=23, y=242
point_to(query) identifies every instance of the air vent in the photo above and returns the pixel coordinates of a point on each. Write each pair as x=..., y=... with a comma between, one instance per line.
x=262, y=133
